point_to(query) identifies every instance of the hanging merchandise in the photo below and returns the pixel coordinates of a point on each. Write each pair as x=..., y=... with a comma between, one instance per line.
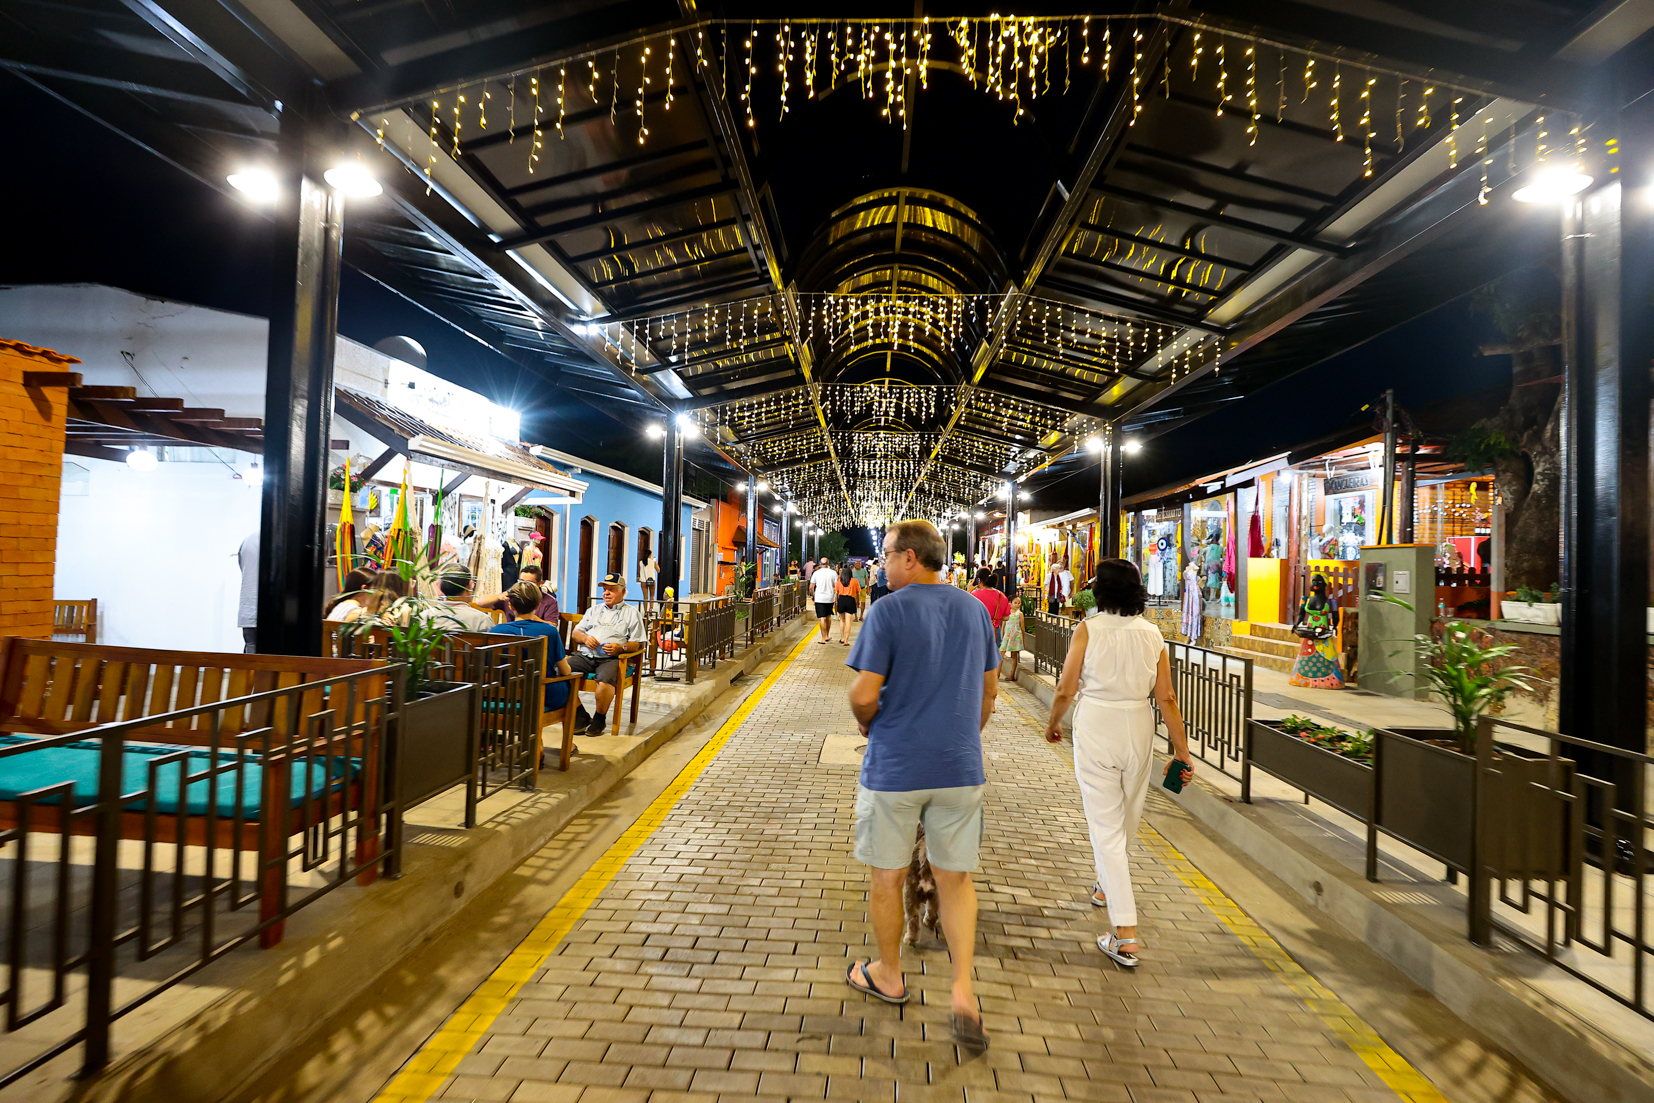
x=399, y=541
x=344, y=536
x=1194, y=606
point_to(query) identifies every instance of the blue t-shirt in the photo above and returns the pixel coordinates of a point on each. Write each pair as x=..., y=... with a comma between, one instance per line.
x=557, y=694
x=932, y=644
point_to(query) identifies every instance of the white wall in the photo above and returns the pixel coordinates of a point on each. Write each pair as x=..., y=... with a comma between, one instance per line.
x=158, y=550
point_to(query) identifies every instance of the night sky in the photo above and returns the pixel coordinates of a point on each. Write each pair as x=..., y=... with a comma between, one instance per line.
x=99, y=209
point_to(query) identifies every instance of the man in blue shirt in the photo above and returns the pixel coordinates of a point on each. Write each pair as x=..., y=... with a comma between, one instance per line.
x=928, y=672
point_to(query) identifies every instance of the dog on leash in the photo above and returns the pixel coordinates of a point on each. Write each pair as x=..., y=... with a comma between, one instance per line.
x=919, y=895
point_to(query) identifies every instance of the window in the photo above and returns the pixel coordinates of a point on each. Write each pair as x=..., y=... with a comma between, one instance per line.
x=617, y=548
x=588, y=548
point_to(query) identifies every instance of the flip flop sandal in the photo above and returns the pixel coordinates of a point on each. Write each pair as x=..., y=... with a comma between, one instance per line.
x=968, y=1034
x=1096, y=891
x=867, y=987
x=1110, y=946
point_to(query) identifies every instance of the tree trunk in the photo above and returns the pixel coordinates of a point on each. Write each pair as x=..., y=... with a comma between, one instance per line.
x=1530, y=480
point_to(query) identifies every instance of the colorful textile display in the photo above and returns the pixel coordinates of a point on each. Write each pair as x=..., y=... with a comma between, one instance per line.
x=399, y=541
x=1194, y=606
x=344, y=537
x=1229, y=564
x=1254, y=537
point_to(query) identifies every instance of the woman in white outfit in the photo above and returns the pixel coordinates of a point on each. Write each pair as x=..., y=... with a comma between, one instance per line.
x=1115, y=661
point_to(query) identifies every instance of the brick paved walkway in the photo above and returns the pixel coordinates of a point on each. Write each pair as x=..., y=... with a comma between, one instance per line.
x=711, y=966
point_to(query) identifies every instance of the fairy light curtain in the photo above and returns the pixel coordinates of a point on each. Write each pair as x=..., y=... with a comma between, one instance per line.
x=1015, y=59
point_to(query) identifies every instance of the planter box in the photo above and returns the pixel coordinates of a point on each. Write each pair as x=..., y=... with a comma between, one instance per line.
x=1532, y=612
x=434, y=745
x=1421, y=792
x=1341, y=782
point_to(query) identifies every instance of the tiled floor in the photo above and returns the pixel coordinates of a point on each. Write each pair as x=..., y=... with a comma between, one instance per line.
x=710, y=965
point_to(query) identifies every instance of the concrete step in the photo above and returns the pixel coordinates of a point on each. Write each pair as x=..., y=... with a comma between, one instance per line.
x=1265, y=645
x=1266, y=659
x=1274, y=631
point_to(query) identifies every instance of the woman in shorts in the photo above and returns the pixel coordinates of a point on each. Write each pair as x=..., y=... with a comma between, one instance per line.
x=849, y=598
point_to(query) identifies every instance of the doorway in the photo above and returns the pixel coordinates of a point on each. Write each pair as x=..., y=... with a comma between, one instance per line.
x=588, y=548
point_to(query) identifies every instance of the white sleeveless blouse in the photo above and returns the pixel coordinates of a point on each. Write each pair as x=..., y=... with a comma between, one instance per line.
x=1122, y=657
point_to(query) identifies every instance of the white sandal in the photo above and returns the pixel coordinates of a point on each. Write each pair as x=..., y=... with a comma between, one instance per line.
x=1110, y=945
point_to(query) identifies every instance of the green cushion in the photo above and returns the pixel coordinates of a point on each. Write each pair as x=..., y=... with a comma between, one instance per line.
x=26, y=771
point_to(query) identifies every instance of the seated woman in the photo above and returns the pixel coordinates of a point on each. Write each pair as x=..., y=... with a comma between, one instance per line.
x=350, y=595
x=386, y=589
x=1317, y=663
x=525, y=599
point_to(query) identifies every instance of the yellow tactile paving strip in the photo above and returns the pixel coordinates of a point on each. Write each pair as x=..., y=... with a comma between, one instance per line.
x=425, y=1072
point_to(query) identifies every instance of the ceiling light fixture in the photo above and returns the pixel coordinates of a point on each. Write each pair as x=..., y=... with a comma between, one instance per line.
x=1552, y=184
x=1134, y=446
x=141, y=459
x=353, y=181
x=258, y=185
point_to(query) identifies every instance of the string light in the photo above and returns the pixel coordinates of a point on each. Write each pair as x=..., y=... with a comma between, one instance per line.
x=642, y=92
x=534, y=153
x=1337, y=93
x=1251, y=96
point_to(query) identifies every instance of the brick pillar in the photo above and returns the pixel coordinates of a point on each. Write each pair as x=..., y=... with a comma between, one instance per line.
x=33, y=401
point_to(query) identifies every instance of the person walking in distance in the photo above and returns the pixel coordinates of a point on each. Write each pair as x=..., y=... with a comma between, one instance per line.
x=1116, y=659
x=824, y=590
x=847, y=597
x=927, y=675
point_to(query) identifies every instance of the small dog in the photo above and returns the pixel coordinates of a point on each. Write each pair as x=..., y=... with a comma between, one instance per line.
x=919, y=895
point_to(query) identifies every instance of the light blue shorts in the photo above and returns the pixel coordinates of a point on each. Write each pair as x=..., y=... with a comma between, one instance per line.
x=887, y=826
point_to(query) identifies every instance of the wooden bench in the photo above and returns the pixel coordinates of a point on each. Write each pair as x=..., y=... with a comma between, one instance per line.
x=51, y=689
x=75, y=620
x=631, y=670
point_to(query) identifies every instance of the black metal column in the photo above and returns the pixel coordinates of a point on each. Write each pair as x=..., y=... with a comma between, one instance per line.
x=1409, y=494
x=1112, y=471
x=298, y=397
x=970, y=541
x=1011, y=541
x=786, y=546
x=671, y=509
x=1608, y=341
x=752, y=520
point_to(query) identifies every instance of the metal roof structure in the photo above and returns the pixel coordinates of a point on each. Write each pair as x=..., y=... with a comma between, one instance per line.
x=887, y=260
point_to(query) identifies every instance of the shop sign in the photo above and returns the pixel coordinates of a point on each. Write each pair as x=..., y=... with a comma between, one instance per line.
x=1340, y=484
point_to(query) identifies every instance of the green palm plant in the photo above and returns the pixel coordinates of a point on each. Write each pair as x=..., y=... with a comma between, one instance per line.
x=1467, y=672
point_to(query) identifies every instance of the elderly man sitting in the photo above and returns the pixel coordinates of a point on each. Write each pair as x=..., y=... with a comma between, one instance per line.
x=604, y=632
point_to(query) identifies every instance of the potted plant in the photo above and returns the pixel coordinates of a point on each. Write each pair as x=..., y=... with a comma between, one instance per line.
x=1530, y=606
x=1084, y=602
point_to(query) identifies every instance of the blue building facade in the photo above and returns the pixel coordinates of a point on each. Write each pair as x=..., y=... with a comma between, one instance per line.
x=614, y=528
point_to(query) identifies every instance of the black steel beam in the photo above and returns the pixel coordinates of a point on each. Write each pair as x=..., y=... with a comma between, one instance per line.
x=702, y=402
x=663, y=239
x=252, y=61
x=1197, y=165
x=1164, y=246
x=125, y=70
x=1148, y=311
x=1239, y=225
x=535, y=45
x=608, y=218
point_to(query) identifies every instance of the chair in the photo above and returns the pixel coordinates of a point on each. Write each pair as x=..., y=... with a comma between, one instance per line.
x=570, y=709
x=631, y=669
x=75, y=620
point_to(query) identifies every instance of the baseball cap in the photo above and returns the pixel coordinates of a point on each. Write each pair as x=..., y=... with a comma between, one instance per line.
x=614, y=580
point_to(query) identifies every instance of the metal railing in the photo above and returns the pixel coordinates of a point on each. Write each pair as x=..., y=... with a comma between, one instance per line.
x=761, y=615
x=1559, y=854
x=1048, y=639
x=507, y=671
x=279, y=798
x=1214, y=694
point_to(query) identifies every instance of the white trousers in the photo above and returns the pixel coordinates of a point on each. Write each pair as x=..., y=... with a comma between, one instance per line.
x=1113, y=758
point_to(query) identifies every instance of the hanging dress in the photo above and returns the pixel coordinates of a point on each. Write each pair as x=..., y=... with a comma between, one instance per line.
x=1194, y=605
x=1317, y=663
